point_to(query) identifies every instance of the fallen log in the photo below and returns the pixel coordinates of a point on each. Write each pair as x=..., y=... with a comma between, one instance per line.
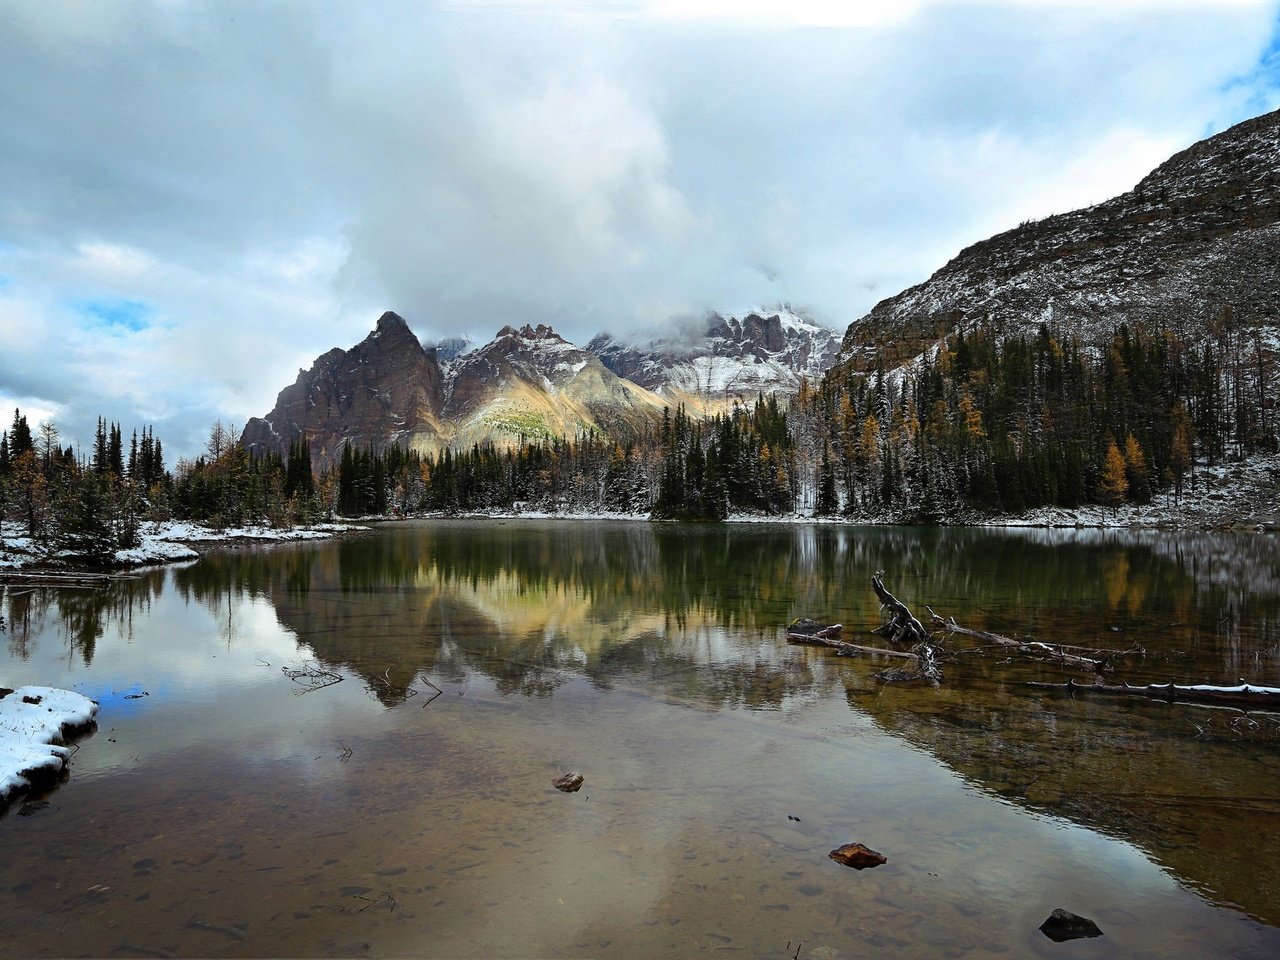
x=811, y=633
x=1238, y=696
x=903, y=626
x=1054, y=651
x=806, y=628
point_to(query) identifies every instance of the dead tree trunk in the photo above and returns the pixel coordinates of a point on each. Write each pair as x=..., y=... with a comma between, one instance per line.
x=902, y=626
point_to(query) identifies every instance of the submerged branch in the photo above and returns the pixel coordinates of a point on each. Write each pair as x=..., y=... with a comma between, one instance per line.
x=1086, y=658
x=811, y=633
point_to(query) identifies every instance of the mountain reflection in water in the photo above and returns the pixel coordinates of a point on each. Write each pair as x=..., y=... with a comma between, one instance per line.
x=694, y=615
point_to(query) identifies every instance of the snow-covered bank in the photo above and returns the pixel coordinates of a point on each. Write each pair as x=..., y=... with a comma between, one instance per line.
x=33, y=721
x=1242, y=495
x=170, y=541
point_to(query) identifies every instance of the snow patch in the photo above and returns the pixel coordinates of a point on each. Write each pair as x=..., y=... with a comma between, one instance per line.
x=32, y=720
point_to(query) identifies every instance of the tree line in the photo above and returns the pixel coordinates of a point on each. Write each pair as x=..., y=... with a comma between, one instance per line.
x=76, y=507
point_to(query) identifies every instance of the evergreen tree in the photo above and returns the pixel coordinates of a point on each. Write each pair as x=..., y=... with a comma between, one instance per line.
x=828, y=502
x=1113, y=484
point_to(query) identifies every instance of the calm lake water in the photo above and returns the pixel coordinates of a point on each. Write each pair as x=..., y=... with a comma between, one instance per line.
x=229, y=804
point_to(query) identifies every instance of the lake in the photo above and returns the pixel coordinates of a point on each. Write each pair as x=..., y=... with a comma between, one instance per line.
x=347, y=749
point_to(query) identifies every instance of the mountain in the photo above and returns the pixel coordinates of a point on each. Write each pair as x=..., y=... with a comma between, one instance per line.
x=528, y=383
x=1196, y=242
x=387, y=388
x=730, y=356
x=532, y=383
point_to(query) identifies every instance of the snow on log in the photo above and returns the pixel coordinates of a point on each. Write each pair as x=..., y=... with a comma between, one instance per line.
x=32, y=722
x=1240, y=695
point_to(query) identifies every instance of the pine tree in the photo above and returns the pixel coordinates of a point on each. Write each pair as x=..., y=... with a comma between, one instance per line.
x=20, y=440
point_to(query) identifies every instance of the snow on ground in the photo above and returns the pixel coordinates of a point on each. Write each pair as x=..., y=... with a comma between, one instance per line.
x=170, y=541
x=164, y=542
x=32, y=721
x=16, y=551
x=1245, y=494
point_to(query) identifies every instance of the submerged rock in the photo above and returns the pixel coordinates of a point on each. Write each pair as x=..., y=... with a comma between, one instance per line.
x=857, y=856
x=1064, y=925
x=568, y=783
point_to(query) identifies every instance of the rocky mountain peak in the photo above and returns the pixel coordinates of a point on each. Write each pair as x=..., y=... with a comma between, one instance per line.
x=387, y=388
x=391, y=322
x=528, y=382
x=529, y=332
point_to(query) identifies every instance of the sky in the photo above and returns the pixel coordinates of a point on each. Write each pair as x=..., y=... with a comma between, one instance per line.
x=198, y=199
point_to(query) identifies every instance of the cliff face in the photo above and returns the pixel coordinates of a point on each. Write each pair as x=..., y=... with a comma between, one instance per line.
x=1198, y=236
x=386, y=389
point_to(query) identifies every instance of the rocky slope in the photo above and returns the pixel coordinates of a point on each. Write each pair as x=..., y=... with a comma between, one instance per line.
x=532, y=383
x=1196, y=241
x=763, y=351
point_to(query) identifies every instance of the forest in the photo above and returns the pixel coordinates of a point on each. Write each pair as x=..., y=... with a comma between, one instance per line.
x=980, y=426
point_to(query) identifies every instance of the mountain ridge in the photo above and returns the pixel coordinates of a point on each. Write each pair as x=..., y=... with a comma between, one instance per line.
x=1195, y=235
x=527, y=384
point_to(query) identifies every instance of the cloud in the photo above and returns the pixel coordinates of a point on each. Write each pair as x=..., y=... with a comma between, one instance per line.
x=256, y=183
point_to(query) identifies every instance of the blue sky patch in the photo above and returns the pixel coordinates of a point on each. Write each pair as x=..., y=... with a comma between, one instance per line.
x=121, y=315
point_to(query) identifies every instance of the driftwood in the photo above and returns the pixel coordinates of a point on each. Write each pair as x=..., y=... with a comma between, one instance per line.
x=812, y=633
x=1237, y=696
x=902, y=627
x=1087, y=658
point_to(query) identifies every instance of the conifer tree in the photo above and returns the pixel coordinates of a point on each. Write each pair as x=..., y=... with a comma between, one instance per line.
x=1113, y=484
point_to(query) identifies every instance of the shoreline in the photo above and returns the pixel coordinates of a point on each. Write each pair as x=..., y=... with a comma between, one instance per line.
x=1227, y=498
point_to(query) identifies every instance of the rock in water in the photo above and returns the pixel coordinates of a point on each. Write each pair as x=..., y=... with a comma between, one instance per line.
x=857, y=856
x=569, y=783
x=1064, y=925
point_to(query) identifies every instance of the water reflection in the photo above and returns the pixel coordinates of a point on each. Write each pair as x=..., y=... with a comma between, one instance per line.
x=692, y=617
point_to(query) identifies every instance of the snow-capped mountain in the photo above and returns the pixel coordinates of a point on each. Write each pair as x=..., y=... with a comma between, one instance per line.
x=731, y=356
x=1196, y=240
x=451, y=348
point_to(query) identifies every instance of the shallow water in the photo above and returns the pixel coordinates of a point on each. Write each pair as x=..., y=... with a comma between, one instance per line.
x=225, y=809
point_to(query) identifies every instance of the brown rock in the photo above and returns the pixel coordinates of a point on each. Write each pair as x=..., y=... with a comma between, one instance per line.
x=568, y=783
x=857, y=856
